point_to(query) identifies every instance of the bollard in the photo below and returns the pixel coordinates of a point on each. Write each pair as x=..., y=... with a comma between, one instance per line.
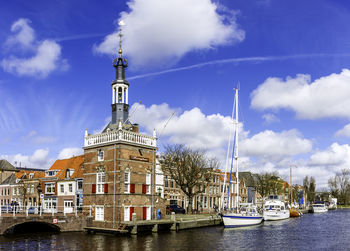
x=41, y=209
x=134, y=217
x=173, y=217
x=14, y=212
x=76, y=213
x=90, y=210
x=27, y=211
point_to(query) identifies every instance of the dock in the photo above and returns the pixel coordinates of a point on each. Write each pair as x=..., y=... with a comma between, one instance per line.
x=174, y=223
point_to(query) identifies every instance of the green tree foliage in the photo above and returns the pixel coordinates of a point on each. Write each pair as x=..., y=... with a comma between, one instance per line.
x=191, y=169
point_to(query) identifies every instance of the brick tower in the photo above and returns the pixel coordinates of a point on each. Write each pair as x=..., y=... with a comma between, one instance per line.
x=119, y=166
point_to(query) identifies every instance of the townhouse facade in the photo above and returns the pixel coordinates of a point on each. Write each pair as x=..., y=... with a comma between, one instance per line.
x=21, y=188
x=62, y=185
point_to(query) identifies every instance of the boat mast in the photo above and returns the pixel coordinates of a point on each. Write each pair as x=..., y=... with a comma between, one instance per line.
x=236, y=148
x=291, y=187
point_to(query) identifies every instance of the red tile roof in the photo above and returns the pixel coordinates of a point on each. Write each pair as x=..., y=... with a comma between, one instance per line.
x=63, y=165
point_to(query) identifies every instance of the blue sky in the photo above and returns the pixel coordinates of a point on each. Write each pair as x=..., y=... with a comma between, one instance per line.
x=292, y=59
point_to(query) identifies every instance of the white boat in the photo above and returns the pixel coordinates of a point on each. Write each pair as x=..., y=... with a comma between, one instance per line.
x=319, y=208
x=274, y=209
x=246, y=214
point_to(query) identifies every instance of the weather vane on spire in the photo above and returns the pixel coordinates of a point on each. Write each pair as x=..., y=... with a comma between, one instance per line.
x=121, y=24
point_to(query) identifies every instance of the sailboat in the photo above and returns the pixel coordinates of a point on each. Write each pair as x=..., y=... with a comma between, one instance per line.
x=245, y=214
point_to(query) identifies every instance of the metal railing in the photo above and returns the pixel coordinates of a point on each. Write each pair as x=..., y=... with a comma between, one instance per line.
x=120, y=135
x=17, y=210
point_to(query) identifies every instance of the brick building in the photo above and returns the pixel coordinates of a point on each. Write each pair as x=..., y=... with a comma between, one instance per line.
x=120, y=164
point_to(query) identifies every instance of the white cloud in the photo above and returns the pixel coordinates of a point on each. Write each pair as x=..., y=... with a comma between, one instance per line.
x=335, y=155
x=325, y=97
x=344, y=132
x=270, y=118
x=39, y=159
x=276, y=145
x=162, y=31
x=192, y=128
x=265, y=151
x=70, y=152
x=24, y=34
x=46, y=58
x=33, y=137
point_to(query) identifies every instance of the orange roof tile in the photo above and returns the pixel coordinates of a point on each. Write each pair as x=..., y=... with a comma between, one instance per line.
x=63, y=165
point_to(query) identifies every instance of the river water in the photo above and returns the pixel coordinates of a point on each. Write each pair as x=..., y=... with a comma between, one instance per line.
x=327, y=231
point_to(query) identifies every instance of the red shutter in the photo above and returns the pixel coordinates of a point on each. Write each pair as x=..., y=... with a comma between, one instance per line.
x=106, y=188
x=93, y=188
x=144, y=188
x=144, y=213
x=131, y=212
x=132, y=188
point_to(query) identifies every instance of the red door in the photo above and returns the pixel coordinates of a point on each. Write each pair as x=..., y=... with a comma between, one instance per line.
x=144, y=213
x=131, y=212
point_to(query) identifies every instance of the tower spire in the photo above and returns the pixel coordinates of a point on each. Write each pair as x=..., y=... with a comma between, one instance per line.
x=120, y=51
x=120, y=86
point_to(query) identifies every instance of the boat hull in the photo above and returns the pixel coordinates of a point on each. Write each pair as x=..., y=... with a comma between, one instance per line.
x=320, y=210
x=276, y=215
x=237, y=220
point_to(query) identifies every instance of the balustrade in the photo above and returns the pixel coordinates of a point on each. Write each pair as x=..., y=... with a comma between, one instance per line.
x=120, y=135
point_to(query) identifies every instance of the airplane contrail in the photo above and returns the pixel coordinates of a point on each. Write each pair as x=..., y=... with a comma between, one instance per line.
x=236, y=60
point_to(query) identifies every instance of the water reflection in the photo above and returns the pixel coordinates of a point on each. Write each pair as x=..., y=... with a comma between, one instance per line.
x=310, y=232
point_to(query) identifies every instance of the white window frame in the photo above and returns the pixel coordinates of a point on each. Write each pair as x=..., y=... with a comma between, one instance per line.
x=99, y=213
x=70, y=187
x=148, y=178
x=100, y=182
x=127, y=214
x=148, y=189
x=68, y=206
x=100, y=155
x=127, y=182
x=52, y=186
x=62, y=188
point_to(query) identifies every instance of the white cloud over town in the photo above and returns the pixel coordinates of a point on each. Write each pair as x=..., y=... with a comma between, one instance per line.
x=28, y=56
x=344, y=132
x=39, y=159
x=193, y=25
x=70, y=152
x=326, y=97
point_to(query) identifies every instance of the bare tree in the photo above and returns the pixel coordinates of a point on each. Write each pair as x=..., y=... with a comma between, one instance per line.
x=190, y=169
x=340, y=185
x=268, y=183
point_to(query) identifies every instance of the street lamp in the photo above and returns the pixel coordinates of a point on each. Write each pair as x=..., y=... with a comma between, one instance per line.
x=38, y=188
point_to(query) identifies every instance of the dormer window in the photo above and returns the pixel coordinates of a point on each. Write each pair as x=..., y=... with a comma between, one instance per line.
x=31, y=175
x=100, y=155
x=50, y=173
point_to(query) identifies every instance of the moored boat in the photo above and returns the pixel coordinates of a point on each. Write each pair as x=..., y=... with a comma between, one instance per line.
x=274, y=209
x=293, y=212
x=319, y=207
x=245, y=214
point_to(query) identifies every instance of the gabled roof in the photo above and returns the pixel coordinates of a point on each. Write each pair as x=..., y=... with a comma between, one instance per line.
x=6, y=166
x=63, y=165
x=25, y=174
x=248, y=177
x=9, y=180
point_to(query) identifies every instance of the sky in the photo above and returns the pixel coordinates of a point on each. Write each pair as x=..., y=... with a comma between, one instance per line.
x=290, y=59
